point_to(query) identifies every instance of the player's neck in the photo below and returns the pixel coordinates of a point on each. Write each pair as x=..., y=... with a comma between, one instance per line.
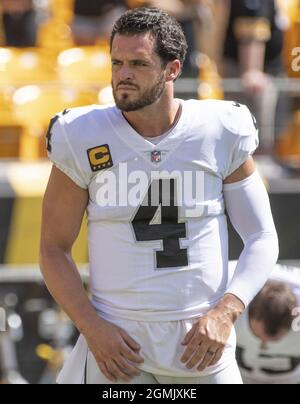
x=155, y=120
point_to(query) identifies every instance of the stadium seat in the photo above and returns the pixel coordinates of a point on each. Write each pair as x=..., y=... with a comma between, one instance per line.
x=36, y=105
x=288, y=146
x=19, y=67
x=85, y=66
x=5, y=107
x=10, y=129
x=55, y=35
x=210, y=81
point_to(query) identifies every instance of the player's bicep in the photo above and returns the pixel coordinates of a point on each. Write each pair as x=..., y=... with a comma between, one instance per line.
x=243, y=172
x=64, y=207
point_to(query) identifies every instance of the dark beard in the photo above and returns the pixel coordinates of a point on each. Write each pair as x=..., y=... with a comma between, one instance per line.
x=149, y=97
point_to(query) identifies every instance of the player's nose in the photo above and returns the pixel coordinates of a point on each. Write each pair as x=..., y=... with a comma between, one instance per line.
x=125, y=73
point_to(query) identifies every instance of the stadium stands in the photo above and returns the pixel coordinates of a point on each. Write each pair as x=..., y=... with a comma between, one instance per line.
x=35, y=84
x=26, y=66
x=42, y=103
x=10, y=129
x=288, y=147
x=56, y=62
x=85, y=66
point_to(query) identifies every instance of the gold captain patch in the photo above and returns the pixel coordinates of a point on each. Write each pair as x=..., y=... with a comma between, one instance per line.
x=100, y=158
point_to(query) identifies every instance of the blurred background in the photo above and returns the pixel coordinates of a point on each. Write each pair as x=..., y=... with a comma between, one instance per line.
x=54, y=54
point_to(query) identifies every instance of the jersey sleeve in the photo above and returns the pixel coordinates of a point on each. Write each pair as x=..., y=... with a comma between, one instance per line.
x=241, y=136
x=252, y=19
x=61, y=154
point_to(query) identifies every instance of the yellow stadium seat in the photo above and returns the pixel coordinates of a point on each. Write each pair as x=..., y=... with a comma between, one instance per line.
x=25, y=66
x=36, y=105
x=210, y=81
x=10, y=129
x=55, y=35
x=288, y=146
x=85, y=66
x=5, y=107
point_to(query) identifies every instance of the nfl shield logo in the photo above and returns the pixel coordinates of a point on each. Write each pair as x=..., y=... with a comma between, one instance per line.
x=156, y=157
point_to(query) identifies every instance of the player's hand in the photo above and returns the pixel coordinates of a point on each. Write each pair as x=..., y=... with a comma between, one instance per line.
x=116, y=353
x=255, y=81
x=206, y=341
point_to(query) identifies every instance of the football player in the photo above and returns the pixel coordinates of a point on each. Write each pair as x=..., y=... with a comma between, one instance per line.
x=154, y=174
x=268, y=334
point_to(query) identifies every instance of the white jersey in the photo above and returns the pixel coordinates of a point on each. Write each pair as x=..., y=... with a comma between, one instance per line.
x=279, y=363
x=158, y=252
x=164, y=261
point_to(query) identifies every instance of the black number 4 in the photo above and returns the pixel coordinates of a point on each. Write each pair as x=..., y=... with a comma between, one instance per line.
x=170, y=231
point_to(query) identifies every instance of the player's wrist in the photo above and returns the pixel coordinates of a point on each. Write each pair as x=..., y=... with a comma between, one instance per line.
x=87, y=325
x=230, y=306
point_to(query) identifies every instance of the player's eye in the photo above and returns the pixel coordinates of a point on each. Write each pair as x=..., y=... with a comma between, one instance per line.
x=139, y=63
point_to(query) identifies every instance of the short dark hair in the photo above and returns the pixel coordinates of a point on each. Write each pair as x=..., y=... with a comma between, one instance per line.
x=171, y=43
x=273, y=306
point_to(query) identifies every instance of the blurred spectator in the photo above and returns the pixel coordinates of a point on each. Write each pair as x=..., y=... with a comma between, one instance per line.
x=18, y=23
x=253, y=51
x=94, y=19
x=191, y=14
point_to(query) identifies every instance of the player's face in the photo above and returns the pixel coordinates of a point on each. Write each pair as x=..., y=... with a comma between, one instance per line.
x=258, y=329
x=138, y=77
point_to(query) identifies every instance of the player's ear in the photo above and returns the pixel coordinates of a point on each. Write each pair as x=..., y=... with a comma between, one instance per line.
x=173, y=70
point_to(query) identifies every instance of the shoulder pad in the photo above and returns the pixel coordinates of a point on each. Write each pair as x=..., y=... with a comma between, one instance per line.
x=53, y=121
x=237, y=119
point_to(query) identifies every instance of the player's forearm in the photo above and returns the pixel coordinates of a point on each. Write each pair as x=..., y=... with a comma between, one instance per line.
x=65, y=285
x=248, y=207
x=255, y=265
x=252, y=56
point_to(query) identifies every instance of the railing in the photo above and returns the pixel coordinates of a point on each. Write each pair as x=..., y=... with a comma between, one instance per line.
x=190, y=85
x=288, y=85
